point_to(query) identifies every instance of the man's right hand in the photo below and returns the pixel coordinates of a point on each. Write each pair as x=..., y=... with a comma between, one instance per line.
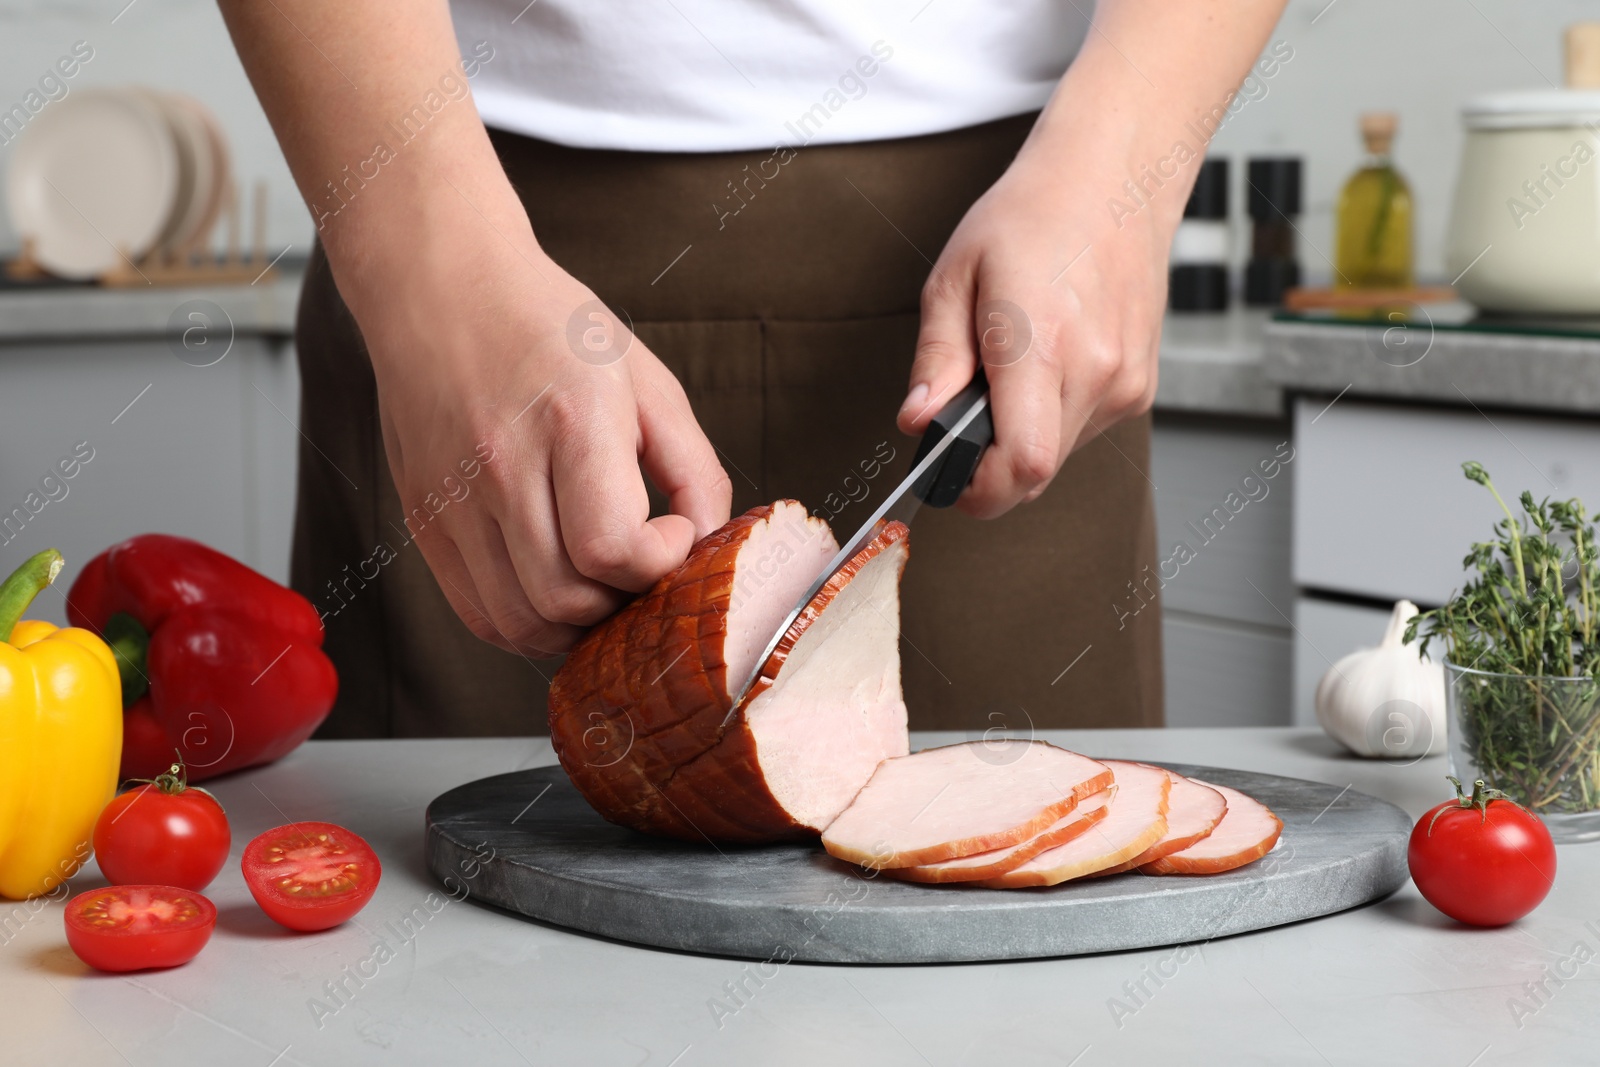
x=508, y=357
x=467, y=323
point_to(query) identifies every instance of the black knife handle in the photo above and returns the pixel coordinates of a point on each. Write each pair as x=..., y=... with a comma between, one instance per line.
x=942, y=483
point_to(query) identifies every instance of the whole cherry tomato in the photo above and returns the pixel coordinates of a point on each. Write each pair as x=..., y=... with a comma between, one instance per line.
x=138, y=927
x=1483, y=860
x=166, y=832
x=310, y=875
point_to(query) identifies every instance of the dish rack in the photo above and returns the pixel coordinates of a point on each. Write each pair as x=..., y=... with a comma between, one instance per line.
x=193, y=263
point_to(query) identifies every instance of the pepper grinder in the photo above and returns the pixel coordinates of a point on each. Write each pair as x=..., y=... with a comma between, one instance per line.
x=1274, y=199
x=1198, y=279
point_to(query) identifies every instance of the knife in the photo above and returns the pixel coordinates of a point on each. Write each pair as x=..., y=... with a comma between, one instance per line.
x=946, y=458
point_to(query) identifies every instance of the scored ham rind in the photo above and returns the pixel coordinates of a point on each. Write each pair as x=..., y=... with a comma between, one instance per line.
x=640, y=711
x=1246, y=833
x=1136, y=820
x=1193, y=811
x=981, y=865
x=942, y=803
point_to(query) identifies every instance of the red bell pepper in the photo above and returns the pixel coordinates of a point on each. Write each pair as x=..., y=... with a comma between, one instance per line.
x=218, y=662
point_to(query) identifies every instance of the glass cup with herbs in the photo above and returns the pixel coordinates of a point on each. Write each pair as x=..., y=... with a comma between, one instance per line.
x=1521, y=664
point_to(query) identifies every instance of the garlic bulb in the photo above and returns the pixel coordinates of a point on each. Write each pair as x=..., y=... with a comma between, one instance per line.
x=1385, y=701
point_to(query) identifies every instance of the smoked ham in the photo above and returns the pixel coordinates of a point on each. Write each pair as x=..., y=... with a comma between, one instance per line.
x=1135, y=821
x=1247, y=832
x=942, y=803
x=642, y=715
x=644, y=721
x=981, y=865
x=1193, y=811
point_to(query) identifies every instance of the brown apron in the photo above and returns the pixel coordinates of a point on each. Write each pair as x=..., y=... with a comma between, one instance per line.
x=782, y=289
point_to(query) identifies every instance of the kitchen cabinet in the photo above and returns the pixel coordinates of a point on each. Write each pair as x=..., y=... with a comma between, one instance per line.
x=193, y=441
x=1382, y=424
x=1226, y=612
x=1325, y=631
x=1382, y=508
x=1383, y=512
x=1373, y=506
x=1222, y=673
x=1240, y=569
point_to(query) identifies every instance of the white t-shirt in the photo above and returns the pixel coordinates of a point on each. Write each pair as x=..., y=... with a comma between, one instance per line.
x=718, y=75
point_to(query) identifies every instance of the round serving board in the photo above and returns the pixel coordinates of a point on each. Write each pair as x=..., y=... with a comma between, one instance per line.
x=528, y=842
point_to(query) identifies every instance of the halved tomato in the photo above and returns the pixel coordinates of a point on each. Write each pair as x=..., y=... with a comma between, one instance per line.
x=310, y=875
x=137, y=927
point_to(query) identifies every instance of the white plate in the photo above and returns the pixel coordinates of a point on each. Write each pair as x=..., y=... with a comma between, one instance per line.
x=221, y=163
x=207, y=159
x=189, y=149
x=93, y=178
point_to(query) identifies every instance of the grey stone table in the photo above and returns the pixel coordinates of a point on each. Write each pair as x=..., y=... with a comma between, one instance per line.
x=419, y=977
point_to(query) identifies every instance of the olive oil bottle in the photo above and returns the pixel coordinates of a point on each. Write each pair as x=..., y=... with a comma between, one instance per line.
x=1374, y=249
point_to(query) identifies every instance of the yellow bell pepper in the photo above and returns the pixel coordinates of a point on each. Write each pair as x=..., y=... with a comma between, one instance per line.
x=60, y=737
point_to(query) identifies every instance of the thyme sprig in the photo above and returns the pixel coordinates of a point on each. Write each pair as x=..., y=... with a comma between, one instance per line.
x=1529, y=612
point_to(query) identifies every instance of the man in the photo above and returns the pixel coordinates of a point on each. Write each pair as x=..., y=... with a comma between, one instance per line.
x=757, y=193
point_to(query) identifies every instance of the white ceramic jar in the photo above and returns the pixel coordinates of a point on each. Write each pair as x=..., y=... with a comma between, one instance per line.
x=1525, y=225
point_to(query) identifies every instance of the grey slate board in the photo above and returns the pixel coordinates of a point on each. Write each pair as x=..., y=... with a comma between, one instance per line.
x=528, y=842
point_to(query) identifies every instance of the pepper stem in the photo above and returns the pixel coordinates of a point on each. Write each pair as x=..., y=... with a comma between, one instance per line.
x=130, y=644
x=25, y=583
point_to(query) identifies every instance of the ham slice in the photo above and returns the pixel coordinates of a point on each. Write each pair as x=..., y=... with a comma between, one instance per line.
x=642, y=714
x=1246, y=833
x=1193, y=811
x=981, y=865
x=1136, y=821
x=942, y=803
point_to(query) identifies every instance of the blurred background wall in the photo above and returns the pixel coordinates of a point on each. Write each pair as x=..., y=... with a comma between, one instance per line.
x=1418, y=57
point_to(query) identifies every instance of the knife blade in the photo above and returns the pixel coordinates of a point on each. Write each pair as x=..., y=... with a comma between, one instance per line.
x=946, y=457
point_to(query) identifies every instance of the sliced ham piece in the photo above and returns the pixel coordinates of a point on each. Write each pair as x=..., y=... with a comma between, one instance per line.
x=640, y=711
x=981, y=865
x=1136, y=821
x=1193, y=811
x=1246, y=833
x=942, y=803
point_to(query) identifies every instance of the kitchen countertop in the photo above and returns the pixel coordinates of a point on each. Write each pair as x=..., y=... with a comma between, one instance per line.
x=77, y=312
x=1440, y=355
x=1241, y=363
x=1244, y=362
x=430, y=979
x=1211, y=365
